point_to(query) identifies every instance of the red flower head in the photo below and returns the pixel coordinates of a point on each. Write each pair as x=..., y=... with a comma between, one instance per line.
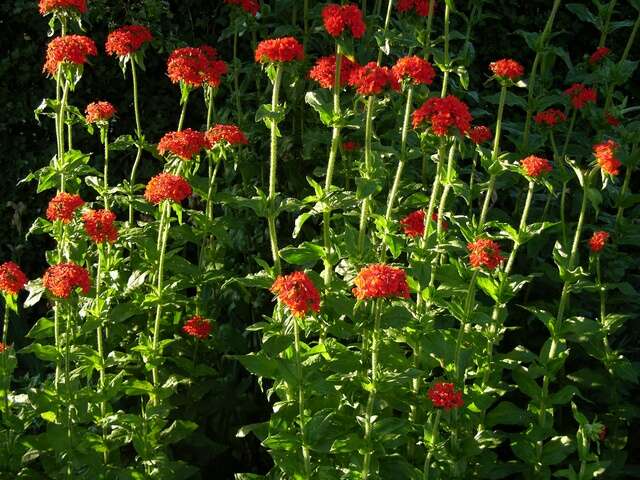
x=416, y=69
x=98, y=112
x=350, y=146
x=297, y=292
x=127, y=40
x=372, y=79
x=64, y=278
x=597, y=241
x=68, y=49
x=443, y=114
x=421, y=7
x=611, y=120
x=550, y=117
x=599, y=54
x=606, y=157
x=48, y=6
x=480, y=134
x=166, y=186
x=3, y=347
x=197, y=327
x=186, y=65
x=381, y=281
x=184, y=144
x=213, y=68
x=99, y=225
x=231, y=134
x=62, y=206
x=580, y=95
x=324, y=71
x=338, y=17
x=507, y=69
x=12, y=278
x=484, y=252
x=252, y=7
x=413, y=224
x=284, y=49
x=535, y=166
x=444, y=395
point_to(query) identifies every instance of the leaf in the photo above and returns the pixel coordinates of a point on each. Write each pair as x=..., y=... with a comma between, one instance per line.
x=583, y=13
x=43, y=328
x=258, y=364
x=48, y=353
x=178, y=430
x=321, y=103
x=138, y=387
x=525, y=383
x=306, y=253
x=564, y=395
x=506, y=413
x=557, y=449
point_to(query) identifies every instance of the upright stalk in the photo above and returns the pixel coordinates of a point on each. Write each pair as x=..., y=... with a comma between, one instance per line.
x=105, y=174
x=607, y=23
x=427, y=54
x=183, y=113
x=273, y=165
x=445, y=78
x=136, y=163
x=565, y=183
x=306, y=457
x=434, y=440
x=623, y=192
x=5, y=335
x=61, y=121
x=468, y=305
x=67, y=384
x=99, y=341
x=364, y=212
x=368, y=424
x=236, y=69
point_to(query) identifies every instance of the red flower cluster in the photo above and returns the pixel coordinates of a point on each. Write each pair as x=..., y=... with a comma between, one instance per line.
x=127, y=40
x=184, y=144
x=580, y=95
x=99, y=225
x=99, y=112
x=230, y=134
x=284, y=49
x=421, y=7
x=3, y=347
x=444, y=113
x=484, y=252
x=599, y=54
x=166, y=186
x=550, y=117
x=371, y=79
x=606, y=156
x=197, y=327
x=68, y=49
x=350, y=145
x=62, y=206
x=507, y=68
x=195, y=66
x=611, y=120
x=480, y=134
x=417, y=69
x=444, y=395
x=12, y=278
x=324, y=71
x=338, y=17
x=380, y=281
x=48, y=6
x=252, y=7
x=413, y=224
x=63, y=278
x=597, y=241
x=297, y=292
x=535, y=166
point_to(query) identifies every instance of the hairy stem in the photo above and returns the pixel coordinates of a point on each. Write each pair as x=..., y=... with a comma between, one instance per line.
x=434, y=440
x=364, y=212
x=273, y=165
x=306, y=457
x=136, y=162
x=368, y=423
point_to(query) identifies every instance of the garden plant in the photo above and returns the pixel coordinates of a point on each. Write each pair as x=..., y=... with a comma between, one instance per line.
x=436, y=259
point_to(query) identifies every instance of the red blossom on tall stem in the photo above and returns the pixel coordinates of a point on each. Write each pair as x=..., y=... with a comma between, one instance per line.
x=251, y=7
x=99, y=112
x=12, y=278
x=444, y=114
x=484, y=253
x=197, y=327
x=380, y=281
x=350, y=145
x=413, y=224
x=550, y=117
x=534, y=166
x=597, y=241
x=480, y=134
x=166, y=186
x=324, y=71
x=612, y=120
x=507, y=68
x=444, y=395
x=372, y=79
x=421, y=7
x=221, y=133
x=279, y=50
x=418, y=70
x=599, y=54
x=127, y=40
x=72, y=49
x=580, y=95
x=196, y=65
x=62, y=279
x=184, y=144
x=99, y=225
x=298, y=293
x=63, y=206
x=605, y=154
x=49, y=6
x=337, y=18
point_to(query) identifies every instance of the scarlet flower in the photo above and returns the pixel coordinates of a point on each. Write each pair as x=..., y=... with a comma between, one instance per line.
x=413, y=224
x=599, y=54
x=127, y=40
x=580, y=95
x=484, y=252
x=535, y=166
x=380, y=281
x=64, y=278
x=421, y=7
x=98, y=112
x=597, y=241
x=297, y=292
x=12, y=278
x=350, y=145
x=550, y=117
x=611, y=120
x=68, y=49
x=444, y=395
x=3, y=347
x=338, y=17
x=252, y=7
x=480, y=134
x=372, y=79
x=606, y=157
x=444, y=114
x=166, y=186
x=99, y=225
x=62, y=206
x=213, y=69
x=284, y=49
x=417, y=69
x=197, y=327
x=324, y=71
x=507, y=68
x=48, y=6
x=186, y=65
x=184, y=144
x=230, y=134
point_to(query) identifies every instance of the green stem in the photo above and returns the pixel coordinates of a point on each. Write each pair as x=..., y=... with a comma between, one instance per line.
x=61, y=121
x=572, y=123
x=472, y=181
x=236, y=70
x=631, y=40
x=183, y=113
x=210, y=97
x=434, y=440
x=623, y=192
x=427, y=48
x=387, y=20
x=445, y=78
x=67, y=384
x=136, y=163
x=273, y=165
x=306, y=457
x=368, y=132
x=105, y=175
x=99, y=341
x=607, y=23
x=468, y=305
x=447, y=188
x=5, y=354
x=305, y=20
x=368, y=424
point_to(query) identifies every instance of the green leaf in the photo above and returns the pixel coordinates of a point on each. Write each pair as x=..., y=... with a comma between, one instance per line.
x=42, y=329
x=564, y=395
x=526, y=383
x=258, y=364
x=138, y=387
x=506, y=413
x=321, y=103
x=306, y=253
x=178, y=430
x=557, y=449
x=48, y=353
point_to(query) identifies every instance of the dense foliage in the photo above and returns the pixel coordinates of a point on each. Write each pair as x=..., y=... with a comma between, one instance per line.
x=438, y=197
